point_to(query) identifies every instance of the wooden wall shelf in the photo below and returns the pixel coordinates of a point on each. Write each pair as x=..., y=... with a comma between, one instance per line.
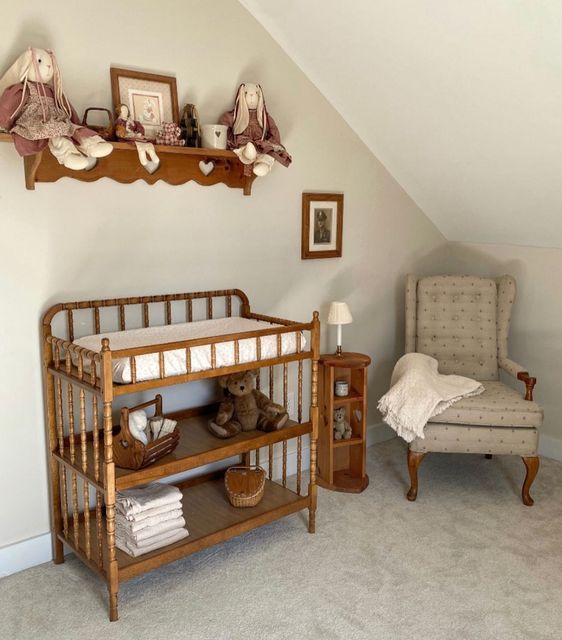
x=178, y=165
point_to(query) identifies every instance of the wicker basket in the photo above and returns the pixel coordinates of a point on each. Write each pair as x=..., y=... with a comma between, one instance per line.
x=107, y=131
x=130, y=453
x=244, y=485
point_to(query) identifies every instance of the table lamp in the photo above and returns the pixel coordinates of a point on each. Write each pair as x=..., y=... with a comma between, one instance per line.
x=339, y=314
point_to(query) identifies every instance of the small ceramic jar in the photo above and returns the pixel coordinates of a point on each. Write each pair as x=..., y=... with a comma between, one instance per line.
x=341, y=388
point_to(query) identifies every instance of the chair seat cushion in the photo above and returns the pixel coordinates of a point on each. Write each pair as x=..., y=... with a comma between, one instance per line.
x=459, y=438
x=498, y=406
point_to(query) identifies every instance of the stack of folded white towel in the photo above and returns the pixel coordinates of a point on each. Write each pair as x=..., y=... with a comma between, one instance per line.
x=148, y=518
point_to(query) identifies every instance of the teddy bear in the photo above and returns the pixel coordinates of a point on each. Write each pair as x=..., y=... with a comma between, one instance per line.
x=170, y=134
x=244, y=408
x=342, y=428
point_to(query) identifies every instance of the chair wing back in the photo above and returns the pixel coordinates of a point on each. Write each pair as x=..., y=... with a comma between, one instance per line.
x=462, y=321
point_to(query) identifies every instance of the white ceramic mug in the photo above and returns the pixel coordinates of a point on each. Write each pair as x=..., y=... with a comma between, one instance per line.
x=213, y=136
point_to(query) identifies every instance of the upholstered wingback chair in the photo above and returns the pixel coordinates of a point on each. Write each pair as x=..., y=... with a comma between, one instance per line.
x=463, y=322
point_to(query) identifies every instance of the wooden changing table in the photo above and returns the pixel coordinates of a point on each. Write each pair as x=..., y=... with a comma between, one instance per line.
x=80, y=417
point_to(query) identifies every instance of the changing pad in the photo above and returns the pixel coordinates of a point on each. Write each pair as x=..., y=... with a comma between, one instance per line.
x=147, y=366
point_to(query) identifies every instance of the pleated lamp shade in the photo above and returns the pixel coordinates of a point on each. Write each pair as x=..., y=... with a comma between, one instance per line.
x=339, y=313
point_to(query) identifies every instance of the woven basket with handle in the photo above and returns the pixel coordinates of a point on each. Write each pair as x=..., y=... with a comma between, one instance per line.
x=130, y=453
x=244, y=485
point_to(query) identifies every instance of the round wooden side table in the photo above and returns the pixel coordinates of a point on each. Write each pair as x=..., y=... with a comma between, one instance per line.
x=342, y=463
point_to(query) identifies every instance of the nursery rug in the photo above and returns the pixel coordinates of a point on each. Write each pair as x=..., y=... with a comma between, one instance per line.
x=467, y=560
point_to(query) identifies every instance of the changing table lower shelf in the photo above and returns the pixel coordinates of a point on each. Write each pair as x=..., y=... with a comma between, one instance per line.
x=210, y=520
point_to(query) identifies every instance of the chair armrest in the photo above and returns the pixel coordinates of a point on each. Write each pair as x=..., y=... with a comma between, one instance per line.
x=518, y=372
x=529, y=383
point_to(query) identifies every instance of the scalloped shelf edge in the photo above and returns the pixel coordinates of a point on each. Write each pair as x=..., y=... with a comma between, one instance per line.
x=178, y=165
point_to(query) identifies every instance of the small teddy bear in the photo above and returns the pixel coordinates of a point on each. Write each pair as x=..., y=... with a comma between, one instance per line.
x=245, y=408
x=342, y=428
x=170, y=134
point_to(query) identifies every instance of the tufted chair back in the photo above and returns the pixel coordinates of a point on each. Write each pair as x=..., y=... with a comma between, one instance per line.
x=462, y=321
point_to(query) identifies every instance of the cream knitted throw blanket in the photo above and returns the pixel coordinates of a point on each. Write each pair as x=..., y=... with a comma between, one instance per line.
x=418, y=392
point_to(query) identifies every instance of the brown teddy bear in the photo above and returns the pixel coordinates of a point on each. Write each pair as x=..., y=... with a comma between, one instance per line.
x=245, y=408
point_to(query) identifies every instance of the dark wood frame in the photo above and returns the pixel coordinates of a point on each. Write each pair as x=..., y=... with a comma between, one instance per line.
x=117, y=73
x=307, y=199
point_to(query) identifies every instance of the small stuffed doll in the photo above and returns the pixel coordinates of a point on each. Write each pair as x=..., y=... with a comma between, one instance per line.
x=252, y=132
x=39, y=115
x=126, y=128
x=342, y=428
x=170, y=134
x=244, y=408
x=129, y=130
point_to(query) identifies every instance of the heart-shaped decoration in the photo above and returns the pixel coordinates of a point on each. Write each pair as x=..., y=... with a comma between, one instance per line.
x=206, y=168
x=218, y=134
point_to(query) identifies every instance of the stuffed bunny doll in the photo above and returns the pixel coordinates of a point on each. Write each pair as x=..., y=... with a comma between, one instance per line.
x=39, y=115
x=252, y=132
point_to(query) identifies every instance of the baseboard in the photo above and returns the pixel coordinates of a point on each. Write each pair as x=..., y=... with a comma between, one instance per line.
x=34, y=551
x=25, y=554
x=550, y=447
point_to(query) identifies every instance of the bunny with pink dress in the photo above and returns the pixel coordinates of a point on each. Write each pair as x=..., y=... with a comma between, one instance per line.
x=38, y=114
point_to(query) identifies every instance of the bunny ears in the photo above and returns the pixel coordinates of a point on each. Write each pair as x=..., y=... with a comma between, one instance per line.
x=241, y=111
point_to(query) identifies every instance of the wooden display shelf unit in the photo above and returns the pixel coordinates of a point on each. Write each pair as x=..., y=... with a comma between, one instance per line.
x=178, y=165
x=342, y=463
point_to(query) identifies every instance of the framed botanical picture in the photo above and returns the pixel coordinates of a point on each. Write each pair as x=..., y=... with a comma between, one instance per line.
x=322, y=225
x=152, y=99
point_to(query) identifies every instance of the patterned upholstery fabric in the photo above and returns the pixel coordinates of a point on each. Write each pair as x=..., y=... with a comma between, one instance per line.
x=455, y=438
x=456, y=324
x=463, y=322
x=411, y=292
x=498, y=406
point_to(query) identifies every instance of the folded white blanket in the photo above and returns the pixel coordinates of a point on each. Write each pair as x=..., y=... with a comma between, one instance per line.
x=131, y=502
x=147, y=542
x=142, y=521
x=418, y=392
x=122, y=528
x=134, y=550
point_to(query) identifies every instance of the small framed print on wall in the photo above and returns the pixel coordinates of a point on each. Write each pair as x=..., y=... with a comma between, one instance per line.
x=152, y=99
x=322, y=225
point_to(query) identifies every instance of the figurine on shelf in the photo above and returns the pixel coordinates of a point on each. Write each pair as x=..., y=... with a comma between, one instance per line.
x=129, y=130
x=342, y=428
x=126, y=128
x=39, y=115
x=190, y=126
x=252, y=132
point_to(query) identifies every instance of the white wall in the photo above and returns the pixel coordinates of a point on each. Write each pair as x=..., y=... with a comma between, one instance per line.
x=459, y=100
x=71, y=240
x=536, y=336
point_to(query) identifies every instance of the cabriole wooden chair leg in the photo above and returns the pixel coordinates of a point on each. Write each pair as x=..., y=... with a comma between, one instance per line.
x=414, y=461
x=532, y=464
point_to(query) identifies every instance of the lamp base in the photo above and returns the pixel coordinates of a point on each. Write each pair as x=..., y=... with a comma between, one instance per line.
x=338, y=350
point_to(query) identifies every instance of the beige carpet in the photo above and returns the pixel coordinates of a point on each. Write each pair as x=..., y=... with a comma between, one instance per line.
x=466, y=561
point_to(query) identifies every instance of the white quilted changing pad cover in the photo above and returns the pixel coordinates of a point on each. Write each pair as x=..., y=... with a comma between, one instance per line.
x=147, y=367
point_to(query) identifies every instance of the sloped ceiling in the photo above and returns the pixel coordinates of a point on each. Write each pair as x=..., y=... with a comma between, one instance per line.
x=461, y=100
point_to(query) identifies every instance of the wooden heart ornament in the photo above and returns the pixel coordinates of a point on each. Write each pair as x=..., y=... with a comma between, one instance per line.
x=206, y=168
